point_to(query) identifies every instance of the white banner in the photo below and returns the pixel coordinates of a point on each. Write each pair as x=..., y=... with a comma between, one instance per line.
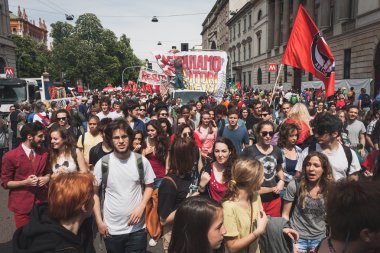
x=151, y=77
x=202, y=70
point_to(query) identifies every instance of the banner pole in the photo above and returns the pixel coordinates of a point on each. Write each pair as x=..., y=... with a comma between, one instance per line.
x=275, y=84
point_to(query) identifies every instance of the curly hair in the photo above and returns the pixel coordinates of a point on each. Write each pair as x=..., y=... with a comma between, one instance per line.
x=231, y=159
x=161, y=141
x=69, y=143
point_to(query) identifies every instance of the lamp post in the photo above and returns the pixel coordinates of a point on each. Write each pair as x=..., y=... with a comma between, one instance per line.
x=122, y=73
x=18, y=62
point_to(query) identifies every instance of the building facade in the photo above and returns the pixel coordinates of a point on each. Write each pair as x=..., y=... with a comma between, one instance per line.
x=7, y=47
x=20, y=25
x=214, y=30
x=259, y=30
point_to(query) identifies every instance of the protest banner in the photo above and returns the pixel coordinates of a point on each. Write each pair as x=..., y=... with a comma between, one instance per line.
x=152, y=77
x=202, y=70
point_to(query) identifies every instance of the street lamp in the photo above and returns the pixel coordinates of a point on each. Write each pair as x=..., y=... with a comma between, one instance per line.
x=18, y=62
x=122, y=73
x=159, y=43
x=154, y=19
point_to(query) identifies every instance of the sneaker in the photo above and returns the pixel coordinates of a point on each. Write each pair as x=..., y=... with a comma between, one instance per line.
x=152, y=242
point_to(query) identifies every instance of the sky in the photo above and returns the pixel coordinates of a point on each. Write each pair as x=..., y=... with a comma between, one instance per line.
x=131, y=17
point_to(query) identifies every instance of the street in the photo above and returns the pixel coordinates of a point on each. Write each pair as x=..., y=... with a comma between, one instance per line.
x=7, y=226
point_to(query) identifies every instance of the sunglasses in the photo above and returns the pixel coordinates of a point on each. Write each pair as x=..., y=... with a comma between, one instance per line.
x=187, y=135
x=265, y=133
x=264, y=114
x=164, y=114
x=63, y=118
x=142, y=109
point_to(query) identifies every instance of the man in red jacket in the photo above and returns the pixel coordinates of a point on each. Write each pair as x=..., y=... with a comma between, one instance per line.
x=26, y=173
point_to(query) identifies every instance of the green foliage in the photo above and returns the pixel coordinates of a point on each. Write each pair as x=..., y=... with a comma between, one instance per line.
x=32, y=56
x=91, y=53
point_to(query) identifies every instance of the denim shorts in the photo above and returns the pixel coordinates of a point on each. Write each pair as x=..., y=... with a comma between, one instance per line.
x=304, y=245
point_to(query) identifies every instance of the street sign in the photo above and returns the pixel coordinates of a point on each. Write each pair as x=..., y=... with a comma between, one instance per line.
x=272, y=67
x=9, y=72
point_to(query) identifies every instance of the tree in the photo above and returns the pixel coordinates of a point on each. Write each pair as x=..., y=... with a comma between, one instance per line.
x=32, y=56
x=91, y=53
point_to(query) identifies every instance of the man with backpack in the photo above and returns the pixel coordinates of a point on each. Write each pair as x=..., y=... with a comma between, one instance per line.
x=126, y=182
x=343, y=160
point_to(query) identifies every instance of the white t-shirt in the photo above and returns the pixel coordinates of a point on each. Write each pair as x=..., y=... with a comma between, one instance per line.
x=123, y=192
x=337, y=159
x=118, y=114
x=110, y=115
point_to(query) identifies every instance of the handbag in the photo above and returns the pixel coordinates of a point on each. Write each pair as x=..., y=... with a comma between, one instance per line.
x=152, y=220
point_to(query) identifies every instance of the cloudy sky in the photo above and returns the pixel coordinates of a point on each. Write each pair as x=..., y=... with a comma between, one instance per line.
x=132, y=17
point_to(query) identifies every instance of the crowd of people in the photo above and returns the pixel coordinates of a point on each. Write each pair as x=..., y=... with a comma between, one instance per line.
x=257, y=172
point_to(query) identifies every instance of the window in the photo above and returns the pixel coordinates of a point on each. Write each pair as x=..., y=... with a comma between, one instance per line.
x=239, y=54
x=249, y=78
x=249, y=20
x=310, y=77
x=239, y=27
x=234, y=31
x=244, y=80
x=234, y=55
x=347, y=63
x=231, y=35
x=245, y=25
x=244, y=55
x=259, y=15
x=249, y=50
x=259, y=77
x=268, y=77
x=259, y=45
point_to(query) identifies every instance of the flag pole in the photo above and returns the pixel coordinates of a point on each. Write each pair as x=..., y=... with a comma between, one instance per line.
x=275, y=84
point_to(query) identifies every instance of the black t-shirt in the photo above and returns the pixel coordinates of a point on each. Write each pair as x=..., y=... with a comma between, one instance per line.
x=270, y=163
x=251, y=121
x=96, y=153
x=170, y=196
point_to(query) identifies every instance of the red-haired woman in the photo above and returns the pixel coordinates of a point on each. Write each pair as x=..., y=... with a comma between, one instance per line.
x=61, y=225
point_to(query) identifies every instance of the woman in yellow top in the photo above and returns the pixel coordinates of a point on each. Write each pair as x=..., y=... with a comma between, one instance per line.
x=244, y=218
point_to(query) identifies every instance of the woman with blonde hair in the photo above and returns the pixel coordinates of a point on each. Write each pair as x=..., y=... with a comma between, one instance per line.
x=308, y=196
x=244, y=218
x=299, y=115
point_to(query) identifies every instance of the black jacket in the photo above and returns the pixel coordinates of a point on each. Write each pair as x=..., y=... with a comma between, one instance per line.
x=44, y=235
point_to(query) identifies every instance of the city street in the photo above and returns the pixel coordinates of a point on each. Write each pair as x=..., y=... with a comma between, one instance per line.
x=8, y=228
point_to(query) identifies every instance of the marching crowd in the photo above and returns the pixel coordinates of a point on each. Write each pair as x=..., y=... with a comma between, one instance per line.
x=258, y=172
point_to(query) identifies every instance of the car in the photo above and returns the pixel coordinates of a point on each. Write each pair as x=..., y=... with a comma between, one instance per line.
x=187, y=95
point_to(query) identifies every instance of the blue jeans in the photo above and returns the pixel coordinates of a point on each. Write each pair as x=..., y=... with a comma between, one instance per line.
x=157, y=183
x=304, y=245
x=179, y=81
x=128, y=243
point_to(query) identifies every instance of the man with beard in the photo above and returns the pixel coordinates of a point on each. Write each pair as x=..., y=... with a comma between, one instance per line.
x=26, y=173
x=126, y=179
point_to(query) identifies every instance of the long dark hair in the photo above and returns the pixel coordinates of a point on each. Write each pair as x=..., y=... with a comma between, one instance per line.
x=211, y=123
x=161, y=142
x=231, y=159
x=192, y=222
x=182, y=156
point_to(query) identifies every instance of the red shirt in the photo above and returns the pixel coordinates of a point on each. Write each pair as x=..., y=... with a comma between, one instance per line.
x=217, y=189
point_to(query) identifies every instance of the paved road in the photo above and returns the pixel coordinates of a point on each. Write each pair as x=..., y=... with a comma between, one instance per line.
x=7, y=228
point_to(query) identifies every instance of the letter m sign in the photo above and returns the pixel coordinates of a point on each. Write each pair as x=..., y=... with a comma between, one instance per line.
x=272, y=67
x=9, y=72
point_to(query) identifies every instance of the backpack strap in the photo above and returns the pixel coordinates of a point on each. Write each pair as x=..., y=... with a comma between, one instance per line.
x=172, y=180
x=140, y=169
x=83, y=141
x=348, y=153
x=105, y=161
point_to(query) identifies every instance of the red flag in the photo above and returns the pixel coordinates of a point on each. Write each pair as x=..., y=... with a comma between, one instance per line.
x=306, y=49
x=318, y=92
x=238, y=85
